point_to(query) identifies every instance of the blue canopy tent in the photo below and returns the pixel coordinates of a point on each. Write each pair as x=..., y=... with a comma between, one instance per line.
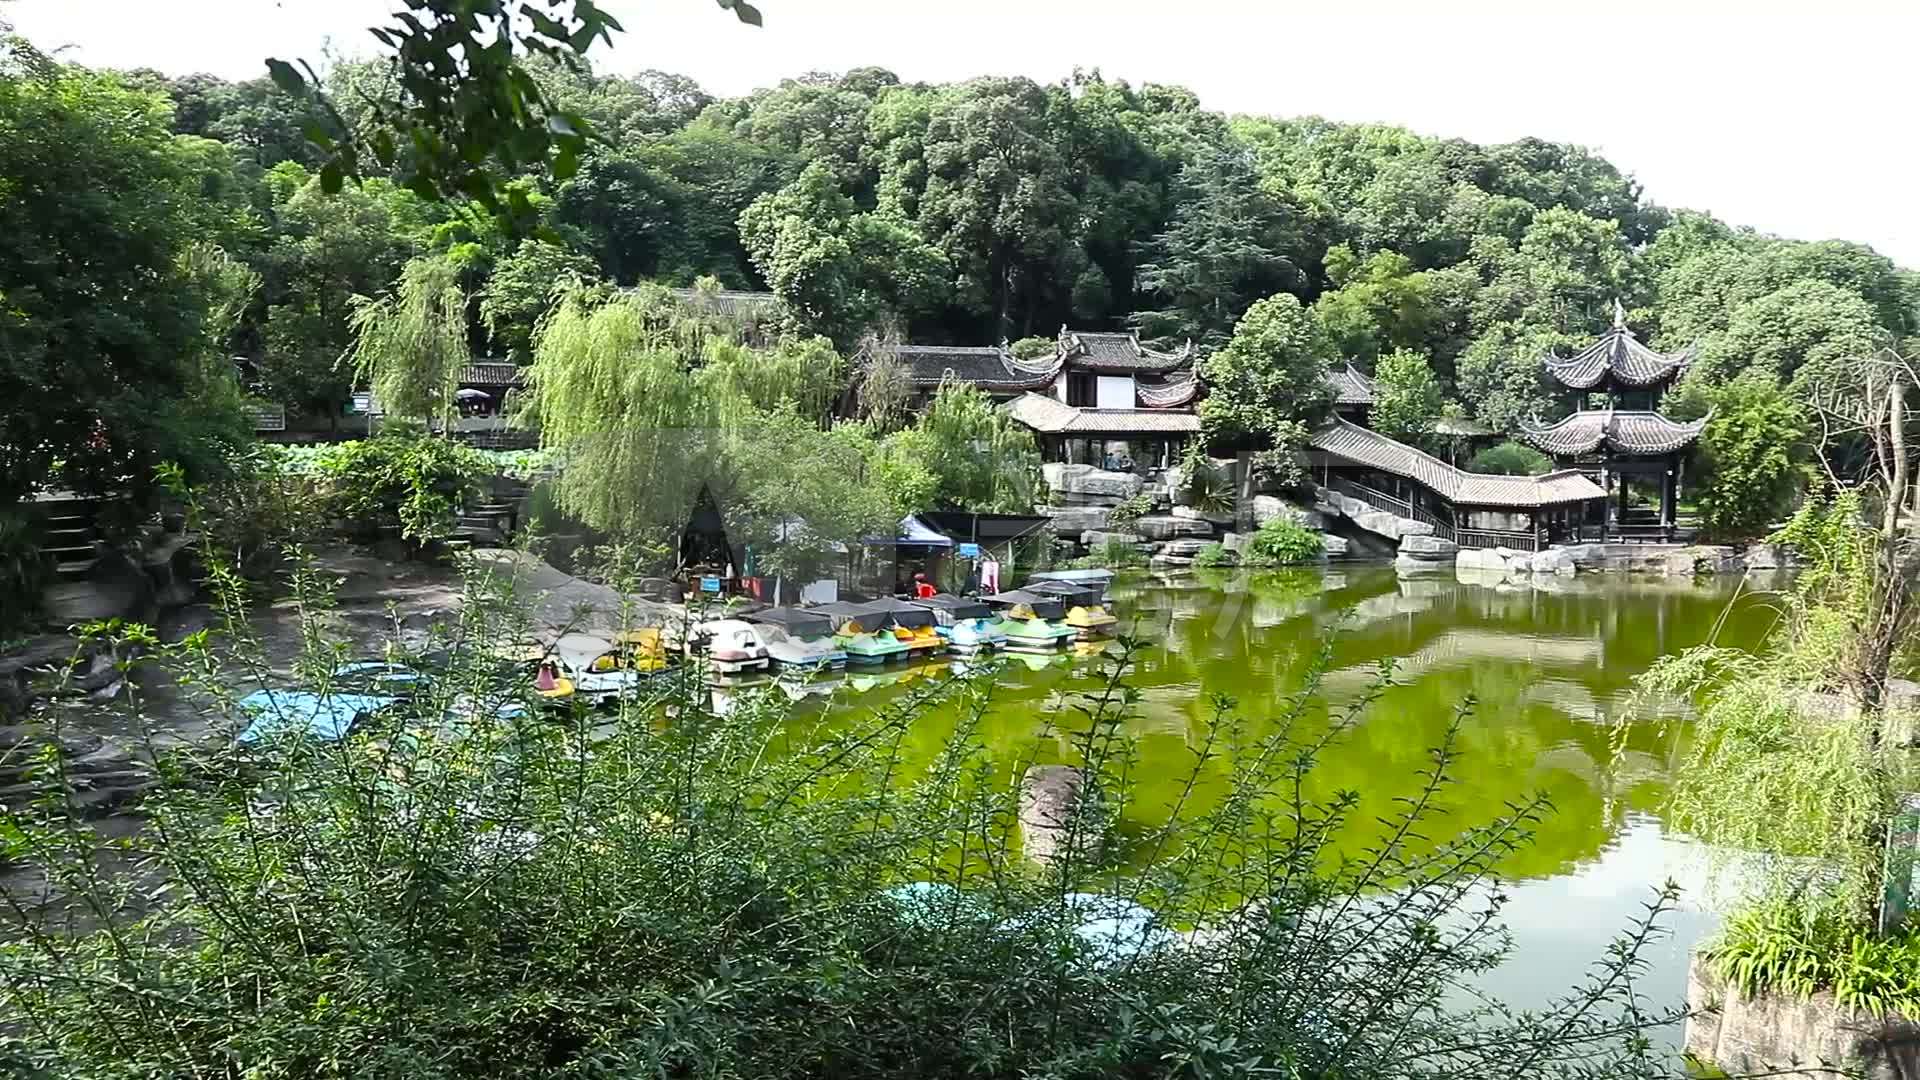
x=916, y=547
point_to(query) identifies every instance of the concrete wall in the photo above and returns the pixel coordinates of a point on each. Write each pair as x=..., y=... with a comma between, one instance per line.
x=1114, y=392
x=1742, y=1035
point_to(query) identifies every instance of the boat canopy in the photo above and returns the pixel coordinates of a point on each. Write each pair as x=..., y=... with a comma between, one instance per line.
x=1073, y=592
x=1043, y=605
x=916, y=533
x=840, y=614
x=896, y=612
x=948, y=610
x=577, y=652
x=1092, y=578
x=797, y=622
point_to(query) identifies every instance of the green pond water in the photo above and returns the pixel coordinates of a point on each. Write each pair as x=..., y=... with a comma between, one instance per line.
x=1551, y=671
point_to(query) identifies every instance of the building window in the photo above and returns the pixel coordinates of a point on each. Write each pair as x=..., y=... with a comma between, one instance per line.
x=1080, y=391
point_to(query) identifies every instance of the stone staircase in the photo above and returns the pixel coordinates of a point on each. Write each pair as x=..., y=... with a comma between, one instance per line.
x=1416, y=547
x=70, y=537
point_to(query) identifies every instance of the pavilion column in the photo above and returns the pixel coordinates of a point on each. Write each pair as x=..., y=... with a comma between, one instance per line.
x=1669, y=486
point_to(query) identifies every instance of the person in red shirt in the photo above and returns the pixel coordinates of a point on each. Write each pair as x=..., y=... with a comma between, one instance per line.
x=922, y=588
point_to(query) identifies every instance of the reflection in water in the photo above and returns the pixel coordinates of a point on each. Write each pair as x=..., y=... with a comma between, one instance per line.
x=1549, y=673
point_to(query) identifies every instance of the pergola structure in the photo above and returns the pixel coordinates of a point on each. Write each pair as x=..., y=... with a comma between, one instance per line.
x=1625, y=445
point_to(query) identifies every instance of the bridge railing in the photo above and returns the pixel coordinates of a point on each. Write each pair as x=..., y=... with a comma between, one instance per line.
x=1517, y=539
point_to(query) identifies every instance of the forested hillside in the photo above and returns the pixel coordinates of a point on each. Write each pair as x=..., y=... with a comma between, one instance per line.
x=1000, y=208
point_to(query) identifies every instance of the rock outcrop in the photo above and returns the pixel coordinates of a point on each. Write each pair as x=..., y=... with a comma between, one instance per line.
x=1076, y=483
x=1420, y=553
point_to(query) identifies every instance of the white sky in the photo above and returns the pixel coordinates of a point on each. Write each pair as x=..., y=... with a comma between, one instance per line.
x=1791, y=116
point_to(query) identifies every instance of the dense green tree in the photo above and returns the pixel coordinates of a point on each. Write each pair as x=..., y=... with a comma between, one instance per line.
x=102, y=318
x=1510, y=459
x=1270, y=381
x=840, y=271
x=1407, y=398
x=997, y=199
x=1809, y=324
x=522, y=288
x=1752, y=457
x=326, y=250
x=1382, y=303
x=1229, y=243
x=1502, y=375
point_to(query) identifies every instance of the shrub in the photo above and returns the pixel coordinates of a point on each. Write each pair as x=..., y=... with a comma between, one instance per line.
x=1751, y=458
x=1510, y=459
x=1282, y=542
x=405, y=478
x=1130, y=509
x=673, y=891
x=1204, y=487
x=1212, y=555
x=1033, y=348
x=1112, y=554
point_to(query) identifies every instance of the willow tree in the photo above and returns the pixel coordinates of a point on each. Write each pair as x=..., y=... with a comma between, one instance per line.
x=649, y=402
x=977, y=457
x=410, y=345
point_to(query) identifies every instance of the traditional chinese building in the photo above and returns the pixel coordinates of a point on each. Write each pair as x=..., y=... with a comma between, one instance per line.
x=1099, y=398
x=1616, y=436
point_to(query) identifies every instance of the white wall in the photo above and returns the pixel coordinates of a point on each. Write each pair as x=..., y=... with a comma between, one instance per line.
x=1114, y=392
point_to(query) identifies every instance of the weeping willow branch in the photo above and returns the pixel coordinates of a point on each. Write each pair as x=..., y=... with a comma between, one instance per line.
x=409, y=347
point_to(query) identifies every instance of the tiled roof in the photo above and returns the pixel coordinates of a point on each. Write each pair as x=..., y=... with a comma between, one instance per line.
x=1090, y=351
x=1622, y=432
x=1046, y=415
x=1350, y=387
x=1618, y=357
x=1372, y=449
x=987, y=366
x=1179, y=389
x=733, y=303
x=491, y=373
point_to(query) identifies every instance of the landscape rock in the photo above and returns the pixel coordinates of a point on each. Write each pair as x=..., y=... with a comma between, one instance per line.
x=1190, y=513
x=1051, y=796
x=1430, y=548
x=1556, y=561
x=1074, y=520
x=1335, y=546
x=1088, y=480
x=1169, y=527
x=1094, y=538
x=1236, y=542
x=1268, y=507
x=1771, y=557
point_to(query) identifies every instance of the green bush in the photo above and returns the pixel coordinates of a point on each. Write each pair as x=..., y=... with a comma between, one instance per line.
x=1212, y=555
x=1033, y=348
x=407, y=478
x=672, y=891
x=1283, y=542
x=1129, y=510
x=1510, y=459
x=1112, y=555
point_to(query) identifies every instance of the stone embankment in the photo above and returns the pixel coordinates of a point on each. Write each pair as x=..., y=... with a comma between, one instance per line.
x=1496, y=565
x=1774, y=1035
x=1082, y=501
